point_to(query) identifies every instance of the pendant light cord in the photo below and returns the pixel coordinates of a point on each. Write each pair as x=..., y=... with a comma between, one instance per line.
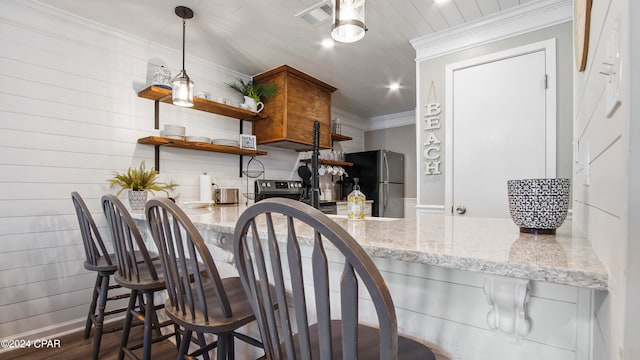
x=183, y=38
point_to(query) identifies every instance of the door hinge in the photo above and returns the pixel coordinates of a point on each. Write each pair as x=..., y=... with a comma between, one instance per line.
x=546, y=81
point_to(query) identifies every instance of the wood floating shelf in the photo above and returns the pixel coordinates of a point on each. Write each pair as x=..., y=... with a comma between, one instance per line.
x=157, y=140
x=158, y=93
x=340, y=137
x=330, y=162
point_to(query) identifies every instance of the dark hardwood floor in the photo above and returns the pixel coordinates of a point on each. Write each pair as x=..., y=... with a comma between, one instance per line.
x=74, y=347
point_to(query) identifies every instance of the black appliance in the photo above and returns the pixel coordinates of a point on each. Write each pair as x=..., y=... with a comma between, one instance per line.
x=291, y=189
x=381, y=179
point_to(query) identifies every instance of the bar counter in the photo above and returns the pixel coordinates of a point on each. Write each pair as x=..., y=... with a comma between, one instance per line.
x=484, y=245
x=463, y=283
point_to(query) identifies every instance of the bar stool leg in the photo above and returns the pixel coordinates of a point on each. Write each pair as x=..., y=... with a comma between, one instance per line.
x=184, y=346
x=127, y=323
x=230, y=347
x=203, y=342
x=92, y=307
x=149, y=319
x=97, y=336
x=222, y=347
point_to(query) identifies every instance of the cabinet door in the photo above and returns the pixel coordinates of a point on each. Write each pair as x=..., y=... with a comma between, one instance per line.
x=306, y=103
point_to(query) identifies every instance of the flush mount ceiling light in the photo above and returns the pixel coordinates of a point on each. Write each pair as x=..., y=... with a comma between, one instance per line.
x=182, y=85
x=348, y=21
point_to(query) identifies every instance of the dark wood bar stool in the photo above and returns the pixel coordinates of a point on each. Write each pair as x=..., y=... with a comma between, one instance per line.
x=262, y=267
x=138, y=271
x=199, y=300
x=103, y=263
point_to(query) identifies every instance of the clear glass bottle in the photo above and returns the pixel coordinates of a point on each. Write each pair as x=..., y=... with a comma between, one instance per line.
x=355, y=202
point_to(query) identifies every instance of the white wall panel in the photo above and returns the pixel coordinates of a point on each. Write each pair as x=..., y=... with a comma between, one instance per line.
x=602, y=206
x=69, y=117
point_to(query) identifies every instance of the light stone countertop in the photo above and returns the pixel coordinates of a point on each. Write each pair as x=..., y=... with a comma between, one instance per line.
x=486, y=245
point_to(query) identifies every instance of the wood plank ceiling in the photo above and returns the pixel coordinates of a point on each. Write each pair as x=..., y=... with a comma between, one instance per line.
x=252, y=36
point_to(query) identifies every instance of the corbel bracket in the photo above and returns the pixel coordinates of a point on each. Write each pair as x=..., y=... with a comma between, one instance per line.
x=508, y=298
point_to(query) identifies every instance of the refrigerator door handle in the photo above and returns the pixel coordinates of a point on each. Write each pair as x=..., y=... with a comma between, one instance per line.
x=386, y=196
x=385, y=190
x=385, y=162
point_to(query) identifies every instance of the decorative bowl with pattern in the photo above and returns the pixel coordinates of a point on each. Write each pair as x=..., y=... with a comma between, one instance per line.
x=539, y=206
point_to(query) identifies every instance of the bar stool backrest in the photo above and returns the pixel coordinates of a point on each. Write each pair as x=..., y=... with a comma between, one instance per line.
x=264, y=258
x=133, y=259
x=185, y=258
x=93, y=245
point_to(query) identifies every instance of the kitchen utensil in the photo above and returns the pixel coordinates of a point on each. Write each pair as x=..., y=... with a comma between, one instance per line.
x=255, y=168
x=305, y=174
x=322, y=170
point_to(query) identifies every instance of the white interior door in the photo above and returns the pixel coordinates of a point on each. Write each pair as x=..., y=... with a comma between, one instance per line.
x=498, y=129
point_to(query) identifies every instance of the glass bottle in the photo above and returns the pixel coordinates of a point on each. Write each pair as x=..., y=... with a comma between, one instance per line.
x=355, y=203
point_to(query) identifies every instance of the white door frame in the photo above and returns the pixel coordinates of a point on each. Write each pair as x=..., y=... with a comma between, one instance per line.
x=549, y=46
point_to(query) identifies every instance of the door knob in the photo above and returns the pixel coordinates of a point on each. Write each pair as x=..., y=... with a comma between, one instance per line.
x=461, y=209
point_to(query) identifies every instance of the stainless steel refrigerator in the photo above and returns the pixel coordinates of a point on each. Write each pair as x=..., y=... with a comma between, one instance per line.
x=381, y=174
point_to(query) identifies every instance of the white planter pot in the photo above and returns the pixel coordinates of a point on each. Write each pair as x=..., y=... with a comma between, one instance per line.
x=137, y=199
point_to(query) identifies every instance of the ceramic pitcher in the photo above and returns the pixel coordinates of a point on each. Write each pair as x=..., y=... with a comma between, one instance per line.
x=252, y=105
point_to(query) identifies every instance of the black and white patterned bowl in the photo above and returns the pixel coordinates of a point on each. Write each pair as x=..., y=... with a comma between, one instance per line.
x=539, y=206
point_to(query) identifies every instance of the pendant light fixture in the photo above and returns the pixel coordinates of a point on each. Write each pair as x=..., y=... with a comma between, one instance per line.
x=348, y=21
x=182, y=85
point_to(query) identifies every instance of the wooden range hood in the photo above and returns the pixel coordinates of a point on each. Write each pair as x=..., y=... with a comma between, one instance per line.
x=300, y=100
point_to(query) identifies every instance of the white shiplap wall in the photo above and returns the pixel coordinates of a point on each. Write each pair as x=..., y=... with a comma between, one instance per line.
x=69, y=116
x=603, y=196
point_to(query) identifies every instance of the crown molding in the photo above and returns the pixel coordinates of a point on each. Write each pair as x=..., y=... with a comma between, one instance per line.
x=529, y=17
x=392, y=120
x=349, y=119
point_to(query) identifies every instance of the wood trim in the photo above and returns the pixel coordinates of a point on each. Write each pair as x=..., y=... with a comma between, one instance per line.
x=157, y=140
x=340, y=137
x=289, y=70
x=157, y=93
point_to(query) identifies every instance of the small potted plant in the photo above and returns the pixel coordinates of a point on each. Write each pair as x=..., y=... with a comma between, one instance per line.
x=139, y=182
x=254, y=92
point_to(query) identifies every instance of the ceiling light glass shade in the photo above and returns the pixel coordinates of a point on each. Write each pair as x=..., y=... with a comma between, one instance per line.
x=182, y=88
x=348, y=21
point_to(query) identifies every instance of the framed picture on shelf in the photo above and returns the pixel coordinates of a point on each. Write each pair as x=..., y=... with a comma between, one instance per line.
x=247, y=141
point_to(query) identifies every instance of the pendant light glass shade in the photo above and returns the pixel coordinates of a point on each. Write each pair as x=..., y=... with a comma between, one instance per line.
x=182, y=86
x=348, y=21
x=182, y=89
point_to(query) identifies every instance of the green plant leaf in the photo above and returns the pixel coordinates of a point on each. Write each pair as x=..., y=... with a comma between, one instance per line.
x=139, y=179
x=255, y=90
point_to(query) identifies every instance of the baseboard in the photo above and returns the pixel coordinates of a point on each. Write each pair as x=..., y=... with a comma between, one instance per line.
x=430, y=209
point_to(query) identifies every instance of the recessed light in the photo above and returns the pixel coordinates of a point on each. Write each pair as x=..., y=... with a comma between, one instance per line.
x=440, y=2
x=394, y=86
x=327, y=43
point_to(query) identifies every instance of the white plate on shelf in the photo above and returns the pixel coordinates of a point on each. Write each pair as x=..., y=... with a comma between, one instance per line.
x=202, y=139
x=198, y=204
x=225, y=142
